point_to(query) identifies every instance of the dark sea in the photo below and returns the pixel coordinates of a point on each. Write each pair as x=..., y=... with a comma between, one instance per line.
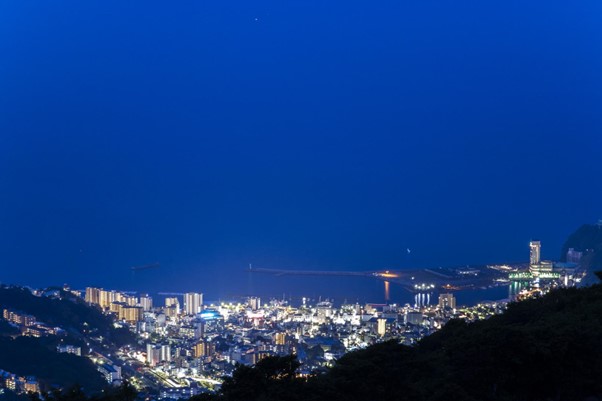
x=294, y=288
x=353, y=289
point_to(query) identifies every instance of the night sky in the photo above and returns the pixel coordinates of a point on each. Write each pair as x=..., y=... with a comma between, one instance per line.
x=309, y=134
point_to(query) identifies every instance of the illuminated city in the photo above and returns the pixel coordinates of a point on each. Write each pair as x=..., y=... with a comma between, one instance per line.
x=300, y=200
x=186, y=346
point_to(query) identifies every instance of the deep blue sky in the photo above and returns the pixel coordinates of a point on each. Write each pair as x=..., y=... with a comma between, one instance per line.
x=207, y=135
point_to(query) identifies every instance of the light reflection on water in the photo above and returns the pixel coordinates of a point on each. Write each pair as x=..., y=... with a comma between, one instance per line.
x=363, y=290
x=387, y=291
x=422, y=299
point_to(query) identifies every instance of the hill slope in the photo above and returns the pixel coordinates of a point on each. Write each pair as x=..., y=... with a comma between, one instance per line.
x=68, y=312
x=26, y=356
x=541, y=349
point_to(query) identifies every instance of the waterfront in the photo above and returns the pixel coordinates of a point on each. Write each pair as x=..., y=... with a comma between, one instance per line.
x=345, y=289
x=357, y=289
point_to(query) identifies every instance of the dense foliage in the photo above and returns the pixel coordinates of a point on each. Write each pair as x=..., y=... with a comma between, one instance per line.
x=6, y=329
x=26, y=356
x=125, y=392
x=548, y=348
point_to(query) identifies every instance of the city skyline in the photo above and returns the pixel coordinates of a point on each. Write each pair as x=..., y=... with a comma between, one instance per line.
x=300, y=200
x=472, y=284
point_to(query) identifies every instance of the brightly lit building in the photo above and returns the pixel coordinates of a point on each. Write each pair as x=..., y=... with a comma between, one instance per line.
x=381, y=326
x=193, y=303
x=146, y=302
x=537, y=267
x=172, y=307
x=111, y=373
x=535, y=252
x=204, y=349
x=106, y=298
x=130, y=314
x=157, y=353
x=19, y=318
x=93, y=295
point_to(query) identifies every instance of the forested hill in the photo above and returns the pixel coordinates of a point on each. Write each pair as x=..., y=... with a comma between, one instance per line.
x=83, y=325
x=64, y=310
x=540, y=349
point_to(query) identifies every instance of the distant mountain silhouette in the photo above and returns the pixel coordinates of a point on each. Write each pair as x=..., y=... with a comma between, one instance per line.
x=588, y=240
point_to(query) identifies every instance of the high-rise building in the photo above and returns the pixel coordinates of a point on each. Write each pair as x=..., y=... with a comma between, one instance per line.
x=173, y=303
x=115, y=306
x=381, y=327
x=199, y=329
x=157, y=353
x=193, y=303
x=153, y=354
x=204, y=348
x=130, y=300
x=535, y=247
x=106, y=298
x=165, y=353
x=131, y=314
x=447, y=301
x=146, y=302
x=92, y=295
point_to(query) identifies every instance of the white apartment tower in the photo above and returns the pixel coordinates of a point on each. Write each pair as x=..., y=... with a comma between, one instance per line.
x=146, y=302
x=193, y=303
x=535, y=247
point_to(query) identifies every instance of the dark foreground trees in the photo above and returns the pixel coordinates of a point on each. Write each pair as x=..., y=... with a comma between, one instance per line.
x=548, y=348
x=124, y=392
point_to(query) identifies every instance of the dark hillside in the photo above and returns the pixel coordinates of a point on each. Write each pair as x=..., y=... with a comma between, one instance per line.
x=541, y=349
x=29, y=356
x=68, y=312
